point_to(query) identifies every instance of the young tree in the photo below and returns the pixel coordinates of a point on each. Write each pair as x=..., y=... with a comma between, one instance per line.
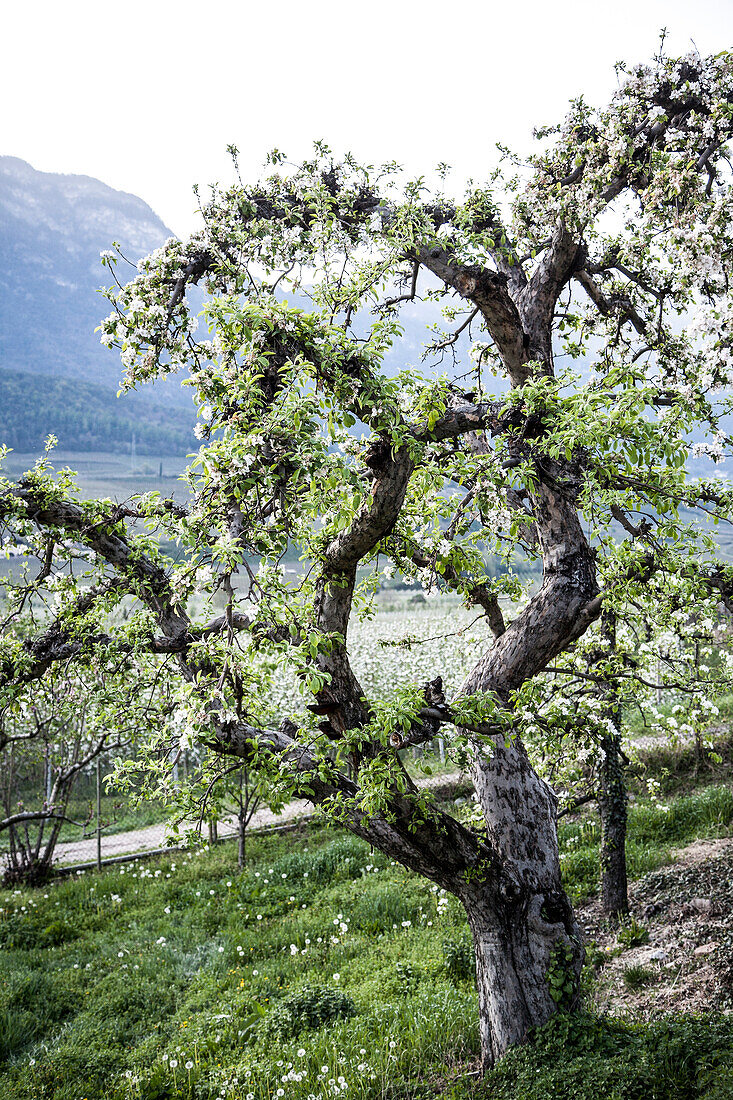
x=658, y=662
x=212, y=791
x=50, y=733
x=602, y=245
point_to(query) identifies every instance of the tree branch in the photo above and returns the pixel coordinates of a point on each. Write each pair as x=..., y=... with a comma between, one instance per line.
x=608, y=305
x=488, y=291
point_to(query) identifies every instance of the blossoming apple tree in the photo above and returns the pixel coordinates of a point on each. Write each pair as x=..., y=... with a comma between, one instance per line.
x=657, y=659
x=610, y=247
x=55, y=729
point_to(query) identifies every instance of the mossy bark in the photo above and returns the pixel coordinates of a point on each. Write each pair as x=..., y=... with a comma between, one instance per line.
x=612, y=799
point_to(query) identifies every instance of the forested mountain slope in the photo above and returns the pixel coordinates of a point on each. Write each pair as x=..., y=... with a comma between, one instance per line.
x=54, y=373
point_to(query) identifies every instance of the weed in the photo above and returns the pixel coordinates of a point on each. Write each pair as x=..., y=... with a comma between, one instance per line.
x=635, y=977
x=632, y=934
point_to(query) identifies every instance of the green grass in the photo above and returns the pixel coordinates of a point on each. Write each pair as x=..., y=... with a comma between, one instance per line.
x=97, y=980
x=586, y=1058
x=323, y=960
x=653, y=830
x=636, y=977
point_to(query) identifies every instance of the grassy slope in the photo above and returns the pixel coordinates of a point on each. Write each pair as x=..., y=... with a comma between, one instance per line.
x=107, y=975
x=87, y=974
x=654, y=829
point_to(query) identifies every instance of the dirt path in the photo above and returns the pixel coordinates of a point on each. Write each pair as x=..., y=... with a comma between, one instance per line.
x=153, y=836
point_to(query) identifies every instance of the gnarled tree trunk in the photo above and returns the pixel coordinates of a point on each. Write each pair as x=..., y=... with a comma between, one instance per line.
x=527, y=944
x=528, y=948
x=528, y=960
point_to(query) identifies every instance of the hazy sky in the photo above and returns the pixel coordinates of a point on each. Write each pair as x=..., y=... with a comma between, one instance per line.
x=146, y=94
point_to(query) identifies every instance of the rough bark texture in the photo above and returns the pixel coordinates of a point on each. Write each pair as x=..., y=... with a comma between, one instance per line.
x=519, y=940
x=612, y=808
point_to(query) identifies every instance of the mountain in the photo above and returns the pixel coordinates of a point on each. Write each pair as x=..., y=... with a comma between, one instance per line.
x=85, y=417
x=55, y=376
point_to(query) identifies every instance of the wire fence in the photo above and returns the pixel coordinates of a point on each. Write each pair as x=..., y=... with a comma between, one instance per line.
x=92, y=826
x=98, y=846
x=100, y=828
x=104, y=858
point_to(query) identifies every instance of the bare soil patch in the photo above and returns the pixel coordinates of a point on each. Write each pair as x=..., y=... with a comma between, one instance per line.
x=684, y=915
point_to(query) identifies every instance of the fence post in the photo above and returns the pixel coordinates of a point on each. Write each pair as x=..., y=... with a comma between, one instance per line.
x=99, y=815
x=49, y=783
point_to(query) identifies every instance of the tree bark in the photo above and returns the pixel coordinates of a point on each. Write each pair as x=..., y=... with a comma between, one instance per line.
x=528, y=961
x=612, y=797
x=525, y=936
x=612, y=808
x=527, y=944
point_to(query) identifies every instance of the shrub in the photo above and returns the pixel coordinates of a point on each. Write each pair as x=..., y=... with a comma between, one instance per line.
x=307, y=1008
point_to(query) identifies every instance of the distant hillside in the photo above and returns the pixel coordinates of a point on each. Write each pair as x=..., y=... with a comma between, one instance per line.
x=85, y=417
x=52, y=229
